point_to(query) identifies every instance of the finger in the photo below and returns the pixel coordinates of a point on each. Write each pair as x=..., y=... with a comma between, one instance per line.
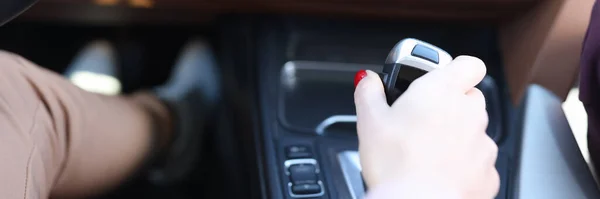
x=369, y=97
x=478, y=120
x=462, y=74
x=491, y=148
x=491, y=179
x=477, y=97
x=475, y=109
x=492, y=187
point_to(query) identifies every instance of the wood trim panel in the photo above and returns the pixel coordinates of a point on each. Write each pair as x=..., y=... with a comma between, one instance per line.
x=540, y=40
x=193, y=11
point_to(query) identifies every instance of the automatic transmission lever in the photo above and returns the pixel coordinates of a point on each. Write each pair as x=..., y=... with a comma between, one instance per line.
x=407, y=61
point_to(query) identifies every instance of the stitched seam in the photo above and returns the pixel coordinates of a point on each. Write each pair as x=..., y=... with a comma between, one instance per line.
x=30, y=152
x=43, y=104
x=27, y=171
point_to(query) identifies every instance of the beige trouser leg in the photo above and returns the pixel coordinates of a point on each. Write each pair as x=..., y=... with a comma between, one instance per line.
x=56, y=139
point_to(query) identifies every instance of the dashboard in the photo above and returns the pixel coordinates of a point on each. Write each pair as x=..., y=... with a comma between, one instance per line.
x=190, y=11
x=531, y=32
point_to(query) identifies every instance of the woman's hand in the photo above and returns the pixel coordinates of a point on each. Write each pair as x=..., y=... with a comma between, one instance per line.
x=431, y=142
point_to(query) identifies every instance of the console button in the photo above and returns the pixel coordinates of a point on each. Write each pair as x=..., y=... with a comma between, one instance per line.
x=303, y=174
x=305, y=189
x=296, y=152
x=426, y=53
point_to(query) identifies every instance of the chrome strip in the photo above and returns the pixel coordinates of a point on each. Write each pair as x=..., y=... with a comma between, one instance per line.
x=402, y=54
x=333, y=120
x=291, y=162
x=350, y=164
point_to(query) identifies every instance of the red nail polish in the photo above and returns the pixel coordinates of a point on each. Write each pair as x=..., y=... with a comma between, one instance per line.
x=359, y=76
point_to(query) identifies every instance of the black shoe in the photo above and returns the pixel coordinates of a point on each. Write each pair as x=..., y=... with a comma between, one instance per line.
x=192, y=93
x=95, y=69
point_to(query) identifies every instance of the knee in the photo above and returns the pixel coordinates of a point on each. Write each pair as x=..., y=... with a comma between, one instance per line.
x=18, y=70
x=6, y=55
x=10, y=61
x=18, y=82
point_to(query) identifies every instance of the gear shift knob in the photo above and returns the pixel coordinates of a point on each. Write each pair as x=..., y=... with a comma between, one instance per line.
x=407, y=61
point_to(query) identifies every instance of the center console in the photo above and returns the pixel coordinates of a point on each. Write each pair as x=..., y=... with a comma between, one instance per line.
x=306, y=98
x=299, y=71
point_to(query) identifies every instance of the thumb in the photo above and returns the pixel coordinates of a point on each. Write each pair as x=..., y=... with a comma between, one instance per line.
x=462, y=74
x=369, y=96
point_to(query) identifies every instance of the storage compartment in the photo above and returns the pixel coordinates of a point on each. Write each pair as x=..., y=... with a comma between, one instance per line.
x=311, y=92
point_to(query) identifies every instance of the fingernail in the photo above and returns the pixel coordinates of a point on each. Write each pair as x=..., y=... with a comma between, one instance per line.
x=359, y=76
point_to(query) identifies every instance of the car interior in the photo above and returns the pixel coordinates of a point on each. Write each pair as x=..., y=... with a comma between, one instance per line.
x=287, y=72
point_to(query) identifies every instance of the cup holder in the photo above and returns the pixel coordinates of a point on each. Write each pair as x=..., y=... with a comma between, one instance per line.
x=494, y=107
